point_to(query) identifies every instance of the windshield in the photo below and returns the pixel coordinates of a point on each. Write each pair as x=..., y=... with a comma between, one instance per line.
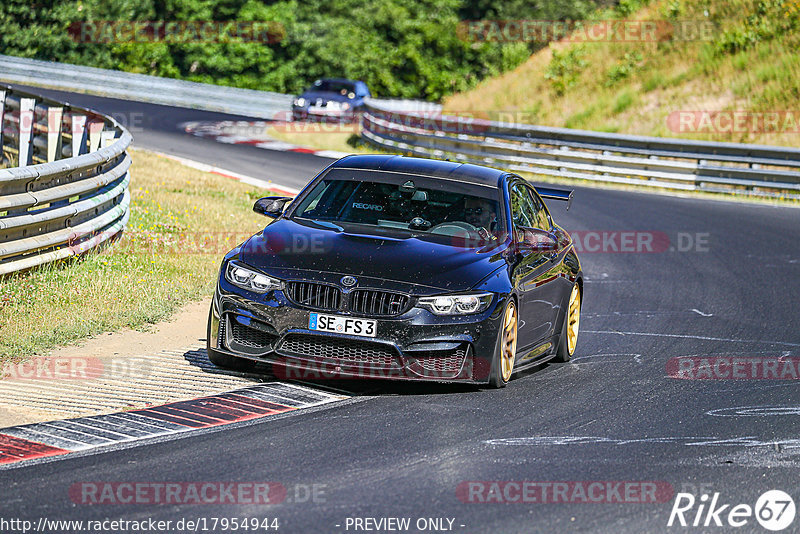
x=405, y=202
x=333, y=86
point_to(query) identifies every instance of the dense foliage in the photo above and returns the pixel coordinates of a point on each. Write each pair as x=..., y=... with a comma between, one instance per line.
x=401, y=48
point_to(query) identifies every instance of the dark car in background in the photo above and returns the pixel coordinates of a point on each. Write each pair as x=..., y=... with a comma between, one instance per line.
x=331, y=99
x=397, y=267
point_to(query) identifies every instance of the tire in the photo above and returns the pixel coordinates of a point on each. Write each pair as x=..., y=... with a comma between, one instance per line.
x=223, y=360
x=506, y=347
x=569, y=327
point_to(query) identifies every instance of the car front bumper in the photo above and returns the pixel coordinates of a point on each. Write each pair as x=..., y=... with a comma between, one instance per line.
x=316, y=114
x=416, y=345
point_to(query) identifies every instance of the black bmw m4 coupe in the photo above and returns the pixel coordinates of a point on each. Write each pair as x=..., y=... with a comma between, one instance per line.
x=401, y=268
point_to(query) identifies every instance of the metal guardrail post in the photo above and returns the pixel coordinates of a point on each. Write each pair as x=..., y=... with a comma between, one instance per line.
x=26, y=127
x=2, y=118
x=95, y=133
x=54, y=118
x=79, y=134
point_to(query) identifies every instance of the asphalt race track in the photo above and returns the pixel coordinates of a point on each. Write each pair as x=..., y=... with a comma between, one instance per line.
x=722, y=281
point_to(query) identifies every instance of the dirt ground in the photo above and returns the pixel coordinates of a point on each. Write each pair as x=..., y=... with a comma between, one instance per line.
x=127, y=369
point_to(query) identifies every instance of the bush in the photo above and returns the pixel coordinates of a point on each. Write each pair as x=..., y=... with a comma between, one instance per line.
x=624, y=68
x=765, y=20
x=625, y=8
x=564, y=69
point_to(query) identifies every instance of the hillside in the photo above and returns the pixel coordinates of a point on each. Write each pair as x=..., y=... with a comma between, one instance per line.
x=401, y=48
x=739, y=79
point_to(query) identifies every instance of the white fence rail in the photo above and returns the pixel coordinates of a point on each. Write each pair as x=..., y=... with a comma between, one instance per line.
x=143, y=88
x=64, y=188
x=166, y=91
x=756, y=170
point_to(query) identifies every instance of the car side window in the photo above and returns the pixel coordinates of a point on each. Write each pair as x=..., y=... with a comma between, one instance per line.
x=522, y=210
x=542, y=218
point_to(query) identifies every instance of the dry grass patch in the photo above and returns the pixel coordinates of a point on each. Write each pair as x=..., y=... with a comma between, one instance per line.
x=320, y=137
x=749, y=62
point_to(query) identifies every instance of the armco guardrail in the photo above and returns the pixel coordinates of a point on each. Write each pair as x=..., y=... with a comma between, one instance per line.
x=143, y=88
x=65, y=186
x=166, y=91
x=668, y=163
x=404, y=105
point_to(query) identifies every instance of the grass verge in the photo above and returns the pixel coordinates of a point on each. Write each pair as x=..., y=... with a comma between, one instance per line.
x=182, y=222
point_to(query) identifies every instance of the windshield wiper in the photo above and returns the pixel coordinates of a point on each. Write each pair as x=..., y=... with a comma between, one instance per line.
x=327, y=224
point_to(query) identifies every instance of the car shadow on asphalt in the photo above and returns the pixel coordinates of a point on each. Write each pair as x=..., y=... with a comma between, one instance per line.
x=263, y=372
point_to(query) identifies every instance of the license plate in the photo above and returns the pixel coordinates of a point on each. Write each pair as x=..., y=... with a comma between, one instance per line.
x=342, y=325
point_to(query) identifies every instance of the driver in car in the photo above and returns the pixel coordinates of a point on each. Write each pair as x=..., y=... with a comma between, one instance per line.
x=481, y=214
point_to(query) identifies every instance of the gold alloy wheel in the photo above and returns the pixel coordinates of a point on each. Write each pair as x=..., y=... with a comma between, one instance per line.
x=574, y=318
x=508, y=347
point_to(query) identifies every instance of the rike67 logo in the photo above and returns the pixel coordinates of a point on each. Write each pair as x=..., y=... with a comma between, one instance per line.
x=774, y=510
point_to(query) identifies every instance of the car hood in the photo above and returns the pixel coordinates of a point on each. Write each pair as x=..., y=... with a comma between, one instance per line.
x=326, y=95
x=288, y=245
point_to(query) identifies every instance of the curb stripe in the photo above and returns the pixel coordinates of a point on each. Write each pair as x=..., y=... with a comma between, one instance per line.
x=226, y=411
x=216, y=130
x=257, y=403
x=190, y=417
x=229, y=406
x=284, y=400
x=54, y=438
x=42, y=437
x=144, y=422
x=13, y=449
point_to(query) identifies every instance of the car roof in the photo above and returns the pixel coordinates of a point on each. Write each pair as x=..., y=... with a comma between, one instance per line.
x=465, y=172
x=337, y=80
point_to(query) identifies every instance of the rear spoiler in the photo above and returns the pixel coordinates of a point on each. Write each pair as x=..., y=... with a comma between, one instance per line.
x=556, y=194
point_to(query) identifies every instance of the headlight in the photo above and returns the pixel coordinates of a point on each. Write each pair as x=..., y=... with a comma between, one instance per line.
x=345, y=106
x=456, y=304
x=300, y=102
x=250, y=280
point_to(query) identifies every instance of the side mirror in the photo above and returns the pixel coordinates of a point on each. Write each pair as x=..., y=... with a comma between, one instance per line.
x=538, y=240
x=271, y=206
